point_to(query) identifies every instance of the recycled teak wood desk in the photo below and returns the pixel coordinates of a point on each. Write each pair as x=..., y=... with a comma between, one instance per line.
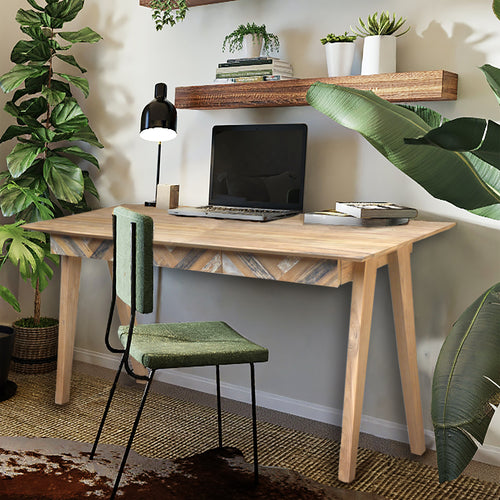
x=284, y=250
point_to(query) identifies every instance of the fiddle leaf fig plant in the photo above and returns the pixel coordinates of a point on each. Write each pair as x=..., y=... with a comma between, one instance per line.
x=457, y=161
x=168, y=12
x=46, y=174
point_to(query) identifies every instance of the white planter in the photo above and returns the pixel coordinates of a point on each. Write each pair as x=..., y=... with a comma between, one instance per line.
x=379, y=55
x=252, y=46
x=339, y=58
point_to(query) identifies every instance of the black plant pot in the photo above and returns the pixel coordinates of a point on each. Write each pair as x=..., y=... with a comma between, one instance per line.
x=7, y=387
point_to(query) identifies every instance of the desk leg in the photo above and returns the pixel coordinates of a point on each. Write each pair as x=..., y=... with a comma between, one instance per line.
x=70, y=288
x=124, y=315
x=363, y=288
x=404, y=322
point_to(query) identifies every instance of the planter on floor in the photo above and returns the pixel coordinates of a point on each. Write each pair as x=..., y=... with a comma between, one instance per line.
x=35, y=348
x=7, y=387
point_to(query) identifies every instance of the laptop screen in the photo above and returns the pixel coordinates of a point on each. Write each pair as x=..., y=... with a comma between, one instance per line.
x=258, y=166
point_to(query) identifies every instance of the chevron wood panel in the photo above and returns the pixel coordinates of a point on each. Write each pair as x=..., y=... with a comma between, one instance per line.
x=191, y=259
x=321, y=272
x=92, y=248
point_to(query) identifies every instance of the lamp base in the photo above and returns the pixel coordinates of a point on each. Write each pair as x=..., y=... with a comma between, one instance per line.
x=150, y=203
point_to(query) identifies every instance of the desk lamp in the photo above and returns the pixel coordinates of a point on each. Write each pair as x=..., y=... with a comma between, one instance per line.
x=159, y=123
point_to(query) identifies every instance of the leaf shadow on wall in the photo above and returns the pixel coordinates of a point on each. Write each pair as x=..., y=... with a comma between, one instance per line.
x=108, y=105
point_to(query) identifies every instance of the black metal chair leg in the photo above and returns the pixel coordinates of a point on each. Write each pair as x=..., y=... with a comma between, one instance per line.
x=254, y=426
x=219, y=412
x=108, y=405
x=132, y=434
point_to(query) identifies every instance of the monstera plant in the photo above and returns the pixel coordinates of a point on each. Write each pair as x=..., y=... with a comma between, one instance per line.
x=46, y=173
x=457, y=161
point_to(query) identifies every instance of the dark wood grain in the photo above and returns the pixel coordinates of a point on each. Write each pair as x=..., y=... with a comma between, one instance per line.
x=190, y=3
x=413, y=86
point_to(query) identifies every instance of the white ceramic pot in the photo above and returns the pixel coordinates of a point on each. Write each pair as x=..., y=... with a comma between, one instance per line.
x=252, y=46
x=379, y=55
x=339, y=58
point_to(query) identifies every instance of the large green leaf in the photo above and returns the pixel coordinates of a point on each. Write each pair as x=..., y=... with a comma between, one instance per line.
x=77, y=81
x=77, y=151
x=10, y=298
x=451, y=176
x=492, y=75
x=496, y=8
x=84, y=35
x=86, y=134
x=65, y=10
x=29, y=18
x=466, y=384
x=26, y=193
x=22, y=157
x=30, y=50
x=64, y=178
x=54, y=97
x=68, y=116
x=479, y=136
x=71, y=60
x=25, y=248
x=18, y=74
x=14, y=131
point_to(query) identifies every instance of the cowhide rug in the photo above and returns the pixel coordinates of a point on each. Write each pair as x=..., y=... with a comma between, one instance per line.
x=54, y=469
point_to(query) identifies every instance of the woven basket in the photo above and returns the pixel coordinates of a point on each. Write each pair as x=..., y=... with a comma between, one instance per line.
x=35, y=349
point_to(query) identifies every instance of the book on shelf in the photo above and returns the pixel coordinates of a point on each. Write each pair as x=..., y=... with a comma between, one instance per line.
x=253, y=60
x=259, y=78
x=269, y=63
x=252, y=72
x=375, y=209
x=333, y=217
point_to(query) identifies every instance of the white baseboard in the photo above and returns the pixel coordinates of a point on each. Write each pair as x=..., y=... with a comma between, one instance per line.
x=370, y=425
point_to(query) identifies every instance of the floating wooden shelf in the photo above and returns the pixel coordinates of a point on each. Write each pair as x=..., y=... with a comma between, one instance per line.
x=414, y=86
x=190, y=3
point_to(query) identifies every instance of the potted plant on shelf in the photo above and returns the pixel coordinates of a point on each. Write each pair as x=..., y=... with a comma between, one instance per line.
x=44, y=178
x=252, y=39
x=379, y=45
x=168, y=12
x=460, y=165
x=339, y=53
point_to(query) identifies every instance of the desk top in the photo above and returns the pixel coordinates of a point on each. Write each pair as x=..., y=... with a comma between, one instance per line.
x=288, y=236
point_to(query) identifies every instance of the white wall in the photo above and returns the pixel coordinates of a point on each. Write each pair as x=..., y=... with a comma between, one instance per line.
x=304, y=327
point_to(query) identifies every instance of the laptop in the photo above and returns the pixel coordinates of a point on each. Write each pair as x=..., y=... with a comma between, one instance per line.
x=256, y=172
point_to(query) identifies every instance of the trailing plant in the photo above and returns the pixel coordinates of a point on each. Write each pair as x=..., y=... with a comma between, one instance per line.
x=234, y=41
x=44, y=178
x=168, y=12
x=331, y=38
x=382, y=25
x=459, y=163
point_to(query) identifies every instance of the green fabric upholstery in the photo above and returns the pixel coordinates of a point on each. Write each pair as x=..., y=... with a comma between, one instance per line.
x=144, y=258
x=175, y=345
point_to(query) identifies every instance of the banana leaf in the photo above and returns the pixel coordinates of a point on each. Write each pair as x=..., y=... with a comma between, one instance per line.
x=460, y=178
x=466, y=384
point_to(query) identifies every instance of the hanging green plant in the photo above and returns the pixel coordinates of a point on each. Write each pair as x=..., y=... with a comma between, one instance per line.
x=44, y=177
x=234, y=41
x=168, y=12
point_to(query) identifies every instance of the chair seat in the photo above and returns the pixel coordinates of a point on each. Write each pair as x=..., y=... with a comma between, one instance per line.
x=175, y=345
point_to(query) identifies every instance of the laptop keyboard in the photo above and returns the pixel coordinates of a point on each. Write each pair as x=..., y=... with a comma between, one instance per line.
x=243, y=211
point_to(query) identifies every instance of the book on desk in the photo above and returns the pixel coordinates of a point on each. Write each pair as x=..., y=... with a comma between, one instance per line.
x=366, y=214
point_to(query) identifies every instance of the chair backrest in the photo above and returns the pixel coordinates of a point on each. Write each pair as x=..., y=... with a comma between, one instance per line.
x=125, y=220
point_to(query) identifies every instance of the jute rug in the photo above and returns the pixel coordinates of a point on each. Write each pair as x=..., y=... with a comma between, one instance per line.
x=173, y=429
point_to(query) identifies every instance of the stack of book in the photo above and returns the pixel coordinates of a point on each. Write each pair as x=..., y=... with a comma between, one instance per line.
x=254, y=69
x=357, y=213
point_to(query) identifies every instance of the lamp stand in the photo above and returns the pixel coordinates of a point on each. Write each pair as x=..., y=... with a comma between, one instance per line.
x=153, y=203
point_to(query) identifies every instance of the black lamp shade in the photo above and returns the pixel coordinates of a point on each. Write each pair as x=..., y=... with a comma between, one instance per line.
x=159, y=117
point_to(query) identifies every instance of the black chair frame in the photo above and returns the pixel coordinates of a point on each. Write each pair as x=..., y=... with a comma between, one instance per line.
x=125, y=362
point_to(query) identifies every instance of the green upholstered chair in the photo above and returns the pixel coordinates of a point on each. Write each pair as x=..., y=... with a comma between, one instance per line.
x=164, y=345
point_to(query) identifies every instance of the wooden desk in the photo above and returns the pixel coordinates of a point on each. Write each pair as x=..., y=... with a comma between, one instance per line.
x=285, y=250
